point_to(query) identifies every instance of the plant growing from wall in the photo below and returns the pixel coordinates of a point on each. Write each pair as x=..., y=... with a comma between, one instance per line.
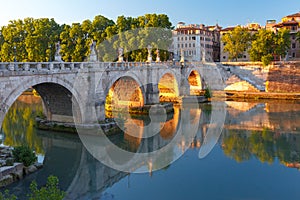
x=207, y=92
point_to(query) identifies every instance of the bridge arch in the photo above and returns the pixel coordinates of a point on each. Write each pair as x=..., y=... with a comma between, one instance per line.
x=168, y=86
x=55, y=93
x=124, y=90
x=196, y=80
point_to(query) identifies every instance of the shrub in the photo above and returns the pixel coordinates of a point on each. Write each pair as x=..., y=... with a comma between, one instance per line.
x=49, y=192
x=7, y=196
x=207, y=92
x=24, y=155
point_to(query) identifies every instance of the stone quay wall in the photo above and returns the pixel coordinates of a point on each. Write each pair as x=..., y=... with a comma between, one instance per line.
x=284, y=77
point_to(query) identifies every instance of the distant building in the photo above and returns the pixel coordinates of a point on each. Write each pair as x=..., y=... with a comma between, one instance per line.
x=270, y=24
x=196, y=42
x=245, y=57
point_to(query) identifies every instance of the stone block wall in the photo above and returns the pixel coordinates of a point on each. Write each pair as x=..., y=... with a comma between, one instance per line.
x=284, y=77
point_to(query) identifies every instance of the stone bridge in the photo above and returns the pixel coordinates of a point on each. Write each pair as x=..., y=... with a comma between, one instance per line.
x=68, y=88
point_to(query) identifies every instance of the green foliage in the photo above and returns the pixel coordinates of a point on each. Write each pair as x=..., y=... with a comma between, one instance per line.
x=29, y=40
x=262, y=44
x=49, y=192
x=24, y=154
x=207, y=92
x=7, y=196
x=266, y=59
x=134, y=35
x=266, y=44
x=34, y=40
x=282, y=42
x=236, y=42
x=298, y=36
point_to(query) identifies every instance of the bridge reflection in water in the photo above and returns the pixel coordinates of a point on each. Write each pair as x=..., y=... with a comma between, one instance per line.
x=262, y=130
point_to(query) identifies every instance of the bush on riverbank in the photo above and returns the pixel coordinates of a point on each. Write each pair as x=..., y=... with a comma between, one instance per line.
x=24, y=155
x=7, y=196
x=49, y=192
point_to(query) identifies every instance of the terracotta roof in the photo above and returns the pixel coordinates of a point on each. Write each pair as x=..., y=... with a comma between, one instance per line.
x=294, y=15
x=288, y=23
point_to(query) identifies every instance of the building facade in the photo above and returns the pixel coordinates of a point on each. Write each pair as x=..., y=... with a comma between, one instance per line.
x=196, y=42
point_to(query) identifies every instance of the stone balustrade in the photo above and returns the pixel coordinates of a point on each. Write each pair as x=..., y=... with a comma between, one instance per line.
x=71, y=66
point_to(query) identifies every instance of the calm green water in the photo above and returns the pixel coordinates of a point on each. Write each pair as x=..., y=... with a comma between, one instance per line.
x=256, y=156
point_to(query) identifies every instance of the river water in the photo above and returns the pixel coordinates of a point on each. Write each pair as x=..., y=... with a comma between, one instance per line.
x=255, y=156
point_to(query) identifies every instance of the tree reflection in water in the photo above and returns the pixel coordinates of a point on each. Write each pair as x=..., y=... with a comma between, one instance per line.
x=19, y=123
x=264, y=145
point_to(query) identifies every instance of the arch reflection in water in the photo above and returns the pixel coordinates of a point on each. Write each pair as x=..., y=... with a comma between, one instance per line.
x=152, y=149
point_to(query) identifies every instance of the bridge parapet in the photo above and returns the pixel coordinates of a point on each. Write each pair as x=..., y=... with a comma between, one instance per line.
x=6, y=68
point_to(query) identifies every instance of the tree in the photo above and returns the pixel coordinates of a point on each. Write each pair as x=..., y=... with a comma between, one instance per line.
x=282, y=42
x=74, y=43
x=236, y=42
x=262, y=44
x=134, y=35
x=266, y=44
x=262, y=47
x=13, y=36
x=42, y=34
x=29, y=40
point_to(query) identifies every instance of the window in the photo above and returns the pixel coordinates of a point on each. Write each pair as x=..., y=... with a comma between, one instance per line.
x=293, y=45
x=182, y=46
x=194, y=45
x=185, y=45
x=185, y=38
x=190, y=45
x=193, y=38
x=294, y=55
x=178, y=45
x=293, y=37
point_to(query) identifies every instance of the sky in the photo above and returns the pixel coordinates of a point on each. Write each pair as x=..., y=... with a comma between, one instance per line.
x=209, y=12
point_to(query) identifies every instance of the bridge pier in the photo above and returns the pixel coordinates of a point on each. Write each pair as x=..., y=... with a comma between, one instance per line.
x=152, y=94
x=100, y=110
